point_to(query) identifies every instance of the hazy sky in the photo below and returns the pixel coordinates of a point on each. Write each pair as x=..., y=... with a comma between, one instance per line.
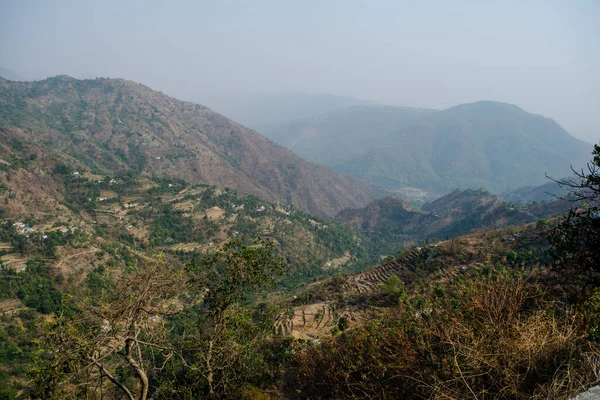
x=541, y=55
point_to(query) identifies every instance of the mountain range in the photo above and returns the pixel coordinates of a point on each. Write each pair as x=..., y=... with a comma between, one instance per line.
x=10, y=75
x=261, y=110
x=110, y=191
x=112, y=125
x=491, y=145
x=395, y=221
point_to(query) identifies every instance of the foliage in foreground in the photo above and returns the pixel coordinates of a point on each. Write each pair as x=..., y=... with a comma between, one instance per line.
x=495, y=336
x=159, y=330
x=576, y=239
x=501, y=333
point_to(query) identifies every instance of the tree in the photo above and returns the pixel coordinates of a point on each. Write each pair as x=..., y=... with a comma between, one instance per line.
x=118, y=338
x=143, y=329
x=576, y=238
x=226, y=337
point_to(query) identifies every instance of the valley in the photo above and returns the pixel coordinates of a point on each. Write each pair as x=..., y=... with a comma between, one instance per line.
x=113, y=125
x=131, y=220
x=491, y=145
x=275, y=200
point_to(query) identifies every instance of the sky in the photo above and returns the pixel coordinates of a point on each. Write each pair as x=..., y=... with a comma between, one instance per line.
x=543, y=56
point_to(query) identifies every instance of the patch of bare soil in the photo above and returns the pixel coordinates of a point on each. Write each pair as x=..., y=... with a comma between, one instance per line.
x=71, y=259
x=214, y=213
x=10, y=306
x=14, y=260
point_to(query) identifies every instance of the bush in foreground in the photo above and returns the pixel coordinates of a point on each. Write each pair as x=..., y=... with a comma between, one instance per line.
x=493, y=336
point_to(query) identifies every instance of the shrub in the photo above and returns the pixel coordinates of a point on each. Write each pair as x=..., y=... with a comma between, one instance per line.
x=490, y=336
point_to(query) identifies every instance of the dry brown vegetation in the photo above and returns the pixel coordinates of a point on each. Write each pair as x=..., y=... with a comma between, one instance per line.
x=121, y=125
x=496, y=336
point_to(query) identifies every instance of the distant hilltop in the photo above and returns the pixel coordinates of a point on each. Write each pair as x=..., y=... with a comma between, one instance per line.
x=497, y=146
x=110, y=125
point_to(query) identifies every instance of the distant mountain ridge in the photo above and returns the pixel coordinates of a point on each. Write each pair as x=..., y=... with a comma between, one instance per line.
x=527, y=194
x=487, y=144
x=10, y=75
x=258, y=111
x=109, y=125
x=454, y=214
x=336, y=137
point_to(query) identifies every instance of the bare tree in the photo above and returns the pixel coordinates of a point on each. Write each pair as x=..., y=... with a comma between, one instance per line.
x=116, y=339
x=576, y=238
x=584, y=186
x=117, y=343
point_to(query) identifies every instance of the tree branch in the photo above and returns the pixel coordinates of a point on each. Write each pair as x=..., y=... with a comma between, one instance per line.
x=105, y=372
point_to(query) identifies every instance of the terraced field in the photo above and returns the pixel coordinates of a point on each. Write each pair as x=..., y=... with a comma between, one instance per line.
x=316, y=320
x=214, y=213
x=188, y=247
x=10, y=306
x=360, y=297
x=14, y=260
x=310, y=322
x=185, y=206
x=368, y=281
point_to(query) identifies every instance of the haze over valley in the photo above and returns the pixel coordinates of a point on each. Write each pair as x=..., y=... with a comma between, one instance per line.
x=276, y=200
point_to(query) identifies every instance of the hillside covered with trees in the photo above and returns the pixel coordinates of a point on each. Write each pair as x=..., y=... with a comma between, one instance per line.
x=486, y=144
x=122, y=277
x=114, y=125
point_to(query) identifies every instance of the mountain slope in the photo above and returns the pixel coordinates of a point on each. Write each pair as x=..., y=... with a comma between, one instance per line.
x=110, y=125
x=261, y=110
x=494, y=145
x=80, y=212
x=334, y=138
x=10, y=75
x=393, y=221
x=486, y=144
x=527, y=194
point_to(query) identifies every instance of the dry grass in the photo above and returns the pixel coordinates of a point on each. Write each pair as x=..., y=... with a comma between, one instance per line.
x=214, y=213
x=188, y=246
x=13, y=260
x=75, y=259
x=184, y=206
x=492, y=337
x=109, y=194
x=140, y=232
x=336, y=263
x=93, y=177
x=10, y=306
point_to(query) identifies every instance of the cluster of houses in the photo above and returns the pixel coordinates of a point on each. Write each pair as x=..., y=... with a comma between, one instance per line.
x=112, y=181
x=23, y=228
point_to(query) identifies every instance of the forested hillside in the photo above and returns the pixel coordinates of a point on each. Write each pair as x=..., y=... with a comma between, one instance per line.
x=113, y=125
x=121, y=277
x=487, y=144
x=391, y=221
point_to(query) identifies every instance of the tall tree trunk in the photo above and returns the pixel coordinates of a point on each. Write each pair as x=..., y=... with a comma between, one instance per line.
x=138, y=369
